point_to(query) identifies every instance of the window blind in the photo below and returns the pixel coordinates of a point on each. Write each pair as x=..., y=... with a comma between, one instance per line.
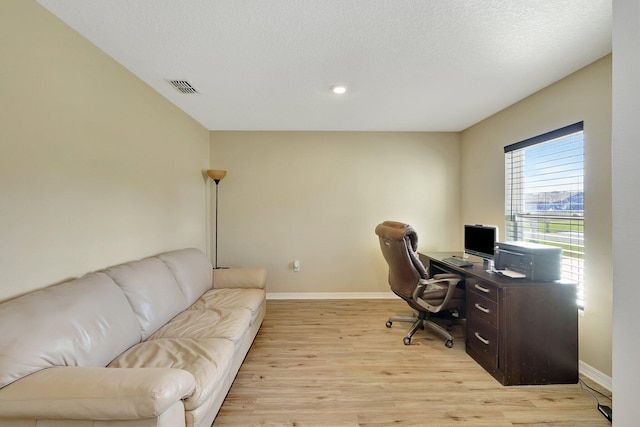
x=544, y=196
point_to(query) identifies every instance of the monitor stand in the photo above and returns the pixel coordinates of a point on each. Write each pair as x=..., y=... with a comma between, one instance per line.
x=488, y=265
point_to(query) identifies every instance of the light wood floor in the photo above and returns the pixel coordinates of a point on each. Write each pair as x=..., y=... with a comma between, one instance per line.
x=334, y=363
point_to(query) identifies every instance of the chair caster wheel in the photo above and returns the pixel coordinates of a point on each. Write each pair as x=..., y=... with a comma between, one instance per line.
x=449, y=343
x=406, y=341
x=389, y=323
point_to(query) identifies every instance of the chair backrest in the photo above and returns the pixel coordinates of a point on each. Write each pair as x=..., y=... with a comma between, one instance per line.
x=399, y=243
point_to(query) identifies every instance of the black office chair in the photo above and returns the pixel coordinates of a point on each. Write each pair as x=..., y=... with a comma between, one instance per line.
x=409, y=279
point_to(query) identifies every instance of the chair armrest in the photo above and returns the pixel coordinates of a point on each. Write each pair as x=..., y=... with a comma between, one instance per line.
x=239, y=278
x=440, y=277
x=95, y=393
x=452, y=281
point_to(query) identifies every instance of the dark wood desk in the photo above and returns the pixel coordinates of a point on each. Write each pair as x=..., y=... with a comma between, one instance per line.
x=521, y=332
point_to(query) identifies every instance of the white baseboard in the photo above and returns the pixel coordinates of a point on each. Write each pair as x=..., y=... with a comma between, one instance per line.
x=331, y=295
x=595, y=375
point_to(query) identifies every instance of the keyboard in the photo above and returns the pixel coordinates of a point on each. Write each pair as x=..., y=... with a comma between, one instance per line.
x=458, y=262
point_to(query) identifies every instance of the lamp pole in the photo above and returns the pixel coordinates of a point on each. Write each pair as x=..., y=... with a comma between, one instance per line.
x=216, y=176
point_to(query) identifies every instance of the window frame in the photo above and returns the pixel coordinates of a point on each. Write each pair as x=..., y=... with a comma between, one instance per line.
x=518, y=218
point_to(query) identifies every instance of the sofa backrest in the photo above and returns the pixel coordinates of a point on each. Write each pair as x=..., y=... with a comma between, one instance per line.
x=152, y=292
x=192, y=270
x=86, y=322
x=93, y=319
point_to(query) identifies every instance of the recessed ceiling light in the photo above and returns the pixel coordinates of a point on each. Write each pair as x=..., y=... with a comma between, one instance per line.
x=338, y=89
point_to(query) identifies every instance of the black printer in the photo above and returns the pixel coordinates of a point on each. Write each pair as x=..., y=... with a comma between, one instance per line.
x=539, y=263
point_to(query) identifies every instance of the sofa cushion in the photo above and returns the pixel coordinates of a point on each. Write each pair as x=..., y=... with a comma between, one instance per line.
x=86, y=322
x=152, y=292
x=250, y=299
x=208, y=360
x=192, y=270
x=230, y=324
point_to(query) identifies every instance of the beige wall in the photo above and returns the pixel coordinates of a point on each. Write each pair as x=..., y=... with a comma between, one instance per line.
x=317, y=197
x=585, y=95
x=95, y=167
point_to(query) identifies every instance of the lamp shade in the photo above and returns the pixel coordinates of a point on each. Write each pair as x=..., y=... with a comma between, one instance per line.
x=216, y=175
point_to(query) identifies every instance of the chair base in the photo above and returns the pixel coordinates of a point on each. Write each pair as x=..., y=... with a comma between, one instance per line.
x=419, y=322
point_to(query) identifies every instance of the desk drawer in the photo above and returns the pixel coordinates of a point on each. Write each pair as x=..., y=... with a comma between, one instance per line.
x=481, y=310
x=489, y=292
x=482, y=345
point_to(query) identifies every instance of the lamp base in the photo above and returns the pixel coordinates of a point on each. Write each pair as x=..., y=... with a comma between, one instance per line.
x=221, y=268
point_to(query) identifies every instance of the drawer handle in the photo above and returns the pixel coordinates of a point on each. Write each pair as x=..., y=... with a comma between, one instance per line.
x=483, y=340
x=481, y=288
x=482, y=309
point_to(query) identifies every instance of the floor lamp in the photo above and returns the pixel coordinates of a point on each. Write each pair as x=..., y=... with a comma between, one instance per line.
x=216, y=176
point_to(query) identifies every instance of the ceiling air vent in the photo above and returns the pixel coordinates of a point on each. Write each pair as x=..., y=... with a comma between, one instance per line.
x=183, y=86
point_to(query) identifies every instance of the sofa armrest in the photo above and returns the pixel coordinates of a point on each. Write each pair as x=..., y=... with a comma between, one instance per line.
x=95, y=393
x=239, y=278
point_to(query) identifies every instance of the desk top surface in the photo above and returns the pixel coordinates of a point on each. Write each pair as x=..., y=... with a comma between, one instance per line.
x=479, y=270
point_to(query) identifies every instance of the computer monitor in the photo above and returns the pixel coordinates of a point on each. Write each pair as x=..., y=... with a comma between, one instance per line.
x=480, y=240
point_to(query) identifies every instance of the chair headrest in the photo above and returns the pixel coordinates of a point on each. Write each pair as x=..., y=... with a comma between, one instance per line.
x=394, y=230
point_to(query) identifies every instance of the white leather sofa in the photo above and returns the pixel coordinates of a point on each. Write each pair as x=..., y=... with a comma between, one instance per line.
x=154, y=342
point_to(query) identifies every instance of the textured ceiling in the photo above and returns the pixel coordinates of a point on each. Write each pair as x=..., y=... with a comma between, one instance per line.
x=410, y=65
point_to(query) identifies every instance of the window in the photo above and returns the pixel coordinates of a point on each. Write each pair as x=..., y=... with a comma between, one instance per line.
x=544, y=197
